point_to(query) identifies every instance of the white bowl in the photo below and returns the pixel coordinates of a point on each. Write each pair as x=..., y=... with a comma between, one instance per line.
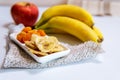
x=43, y=59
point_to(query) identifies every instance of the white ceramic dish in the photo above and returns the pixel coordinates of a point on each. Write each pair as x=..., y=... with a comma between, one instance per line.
x=43, y=59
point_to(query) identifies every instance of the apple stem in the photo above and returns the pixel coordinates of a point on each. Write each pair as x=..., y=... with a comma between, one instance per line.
x=28, y=4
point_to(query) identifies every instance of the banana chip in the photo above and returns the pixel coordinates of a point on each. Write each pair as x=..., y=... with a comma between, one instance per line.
x=47, y=43
x=31, y=44
x=57, y=48
x=40, y=45
x=38, y=53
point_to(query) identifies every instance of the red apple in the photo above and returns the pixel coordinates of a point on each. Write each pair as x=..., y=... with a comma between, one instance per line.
x=25, y=13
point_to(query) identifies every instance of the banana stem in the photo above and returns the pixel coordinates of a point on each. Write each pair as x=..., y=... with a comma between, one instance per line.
x=38, y=23
x=42, y=26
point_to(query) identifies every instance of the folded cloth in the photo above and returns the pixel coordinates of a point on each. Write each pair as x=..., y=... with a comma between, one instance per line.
x=17, y=58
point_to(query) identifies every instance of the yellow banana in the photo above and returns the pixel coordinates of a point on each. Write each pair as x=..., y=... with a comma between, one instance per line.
x=73, y=27
x=57, y=31
x=54, y=31
x=68, y=11
x=99, y=33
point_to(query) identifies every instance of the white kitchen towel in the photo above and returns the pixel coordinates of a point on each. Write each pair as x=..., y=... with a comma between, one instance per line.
x=17, y=58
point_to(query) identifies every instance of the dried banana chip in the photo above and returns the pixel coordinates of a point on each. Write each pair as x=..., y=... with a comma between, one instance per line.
x=36, y=52
x=31, y=44
x=35, y=37
x=57, y=48
x=46, y=44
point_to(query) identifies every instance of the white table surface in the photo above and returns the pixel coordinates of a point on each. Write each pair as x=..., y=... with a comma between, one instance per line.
x=109, y=69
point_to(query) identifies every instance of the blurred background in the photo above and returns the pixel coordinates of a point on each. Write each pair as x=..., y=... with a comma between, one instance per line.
x=95, y=7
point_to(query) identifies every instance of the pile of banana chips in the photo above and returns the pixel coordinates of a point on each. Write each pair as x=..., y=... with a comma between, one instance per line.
x=42, y=46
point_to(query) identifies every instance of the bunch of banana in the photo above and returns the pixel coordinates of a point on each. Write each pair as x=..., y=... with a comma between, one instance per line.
x=70, y=19
x=66, y=10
